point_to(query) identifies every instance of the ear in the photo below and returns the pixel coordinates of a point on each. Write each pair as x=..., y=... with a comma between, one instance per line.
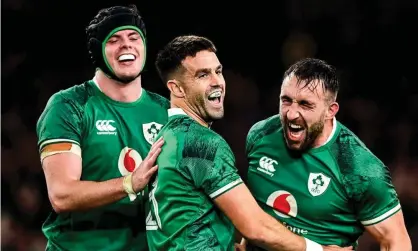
x=332, y=110
x=175, y=88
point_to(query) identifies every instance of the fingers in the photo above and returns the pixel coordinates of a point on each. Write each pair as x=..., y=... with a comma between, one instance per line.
x=157, y=145
x=153, y=156
x=150, y=172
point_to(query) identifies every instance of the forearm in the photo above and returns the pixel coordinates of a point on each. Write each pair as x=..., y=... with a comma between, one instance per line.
x=84, y=195
x=396, y=245
x=272, y=235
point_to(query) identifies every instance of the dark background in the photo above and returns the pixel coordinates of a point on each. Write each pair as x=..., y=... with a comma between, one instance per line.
x=373, y=44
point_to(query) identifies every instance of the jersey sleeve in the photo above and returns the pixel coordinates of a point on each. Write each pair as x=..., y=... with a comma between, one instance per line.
x=378, y=201
x=211, y=166
x=59, y=127
x=370, y=187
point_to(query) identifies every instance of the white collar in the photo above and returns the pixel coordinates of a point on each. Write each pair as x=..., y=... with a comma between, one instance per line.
x=175, y=111
x=95, y=82
x=334, y=128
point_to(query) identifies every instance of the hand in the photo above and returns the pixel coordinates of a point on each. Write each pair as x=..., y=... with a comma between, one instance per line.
x=241, y=246
x=336, y=248
x=142, y=175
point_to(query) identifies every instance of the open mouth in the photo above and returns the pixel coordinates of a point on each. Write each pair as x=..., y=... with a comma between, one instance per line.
x=295, y=131
x=215, y=97
x=126, y=58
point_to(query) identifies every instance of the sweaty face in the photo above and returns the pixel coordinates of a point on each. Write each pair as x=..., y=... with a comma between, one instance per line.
x=204, y=85
x=125, y=53
x=302, y=112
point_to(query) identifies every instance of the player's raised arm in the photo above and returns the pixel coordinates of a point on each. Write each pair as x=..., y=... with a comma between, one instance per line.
x=59, y=132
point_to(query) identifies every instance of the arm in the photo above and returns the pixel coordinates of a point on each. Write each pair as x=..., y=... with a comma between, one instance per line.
x=218, y=178
x=391, y=233
x=67, y=193
x=256, y=225
x=260, y=228
x=59, y=131
x=376, y=202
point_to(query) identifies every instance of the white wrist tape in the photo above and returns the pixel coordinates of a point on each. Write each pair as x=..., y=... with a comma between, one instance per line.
x=312, y=246
x=127, y=186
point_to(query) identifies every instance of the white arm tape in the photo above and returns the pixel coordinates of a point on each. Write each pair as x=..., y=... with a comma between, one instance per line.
x=313, y=246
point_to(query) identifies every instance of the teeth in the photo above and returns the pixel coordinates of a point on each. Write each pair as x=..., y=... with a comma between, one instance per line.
x=293, y=126
x=216, y=94
x=126, y=57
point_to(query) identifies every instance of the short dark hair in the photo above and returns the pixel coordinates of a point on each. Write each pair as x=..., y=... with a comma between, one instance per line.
x=170, y=57
x=309, y=70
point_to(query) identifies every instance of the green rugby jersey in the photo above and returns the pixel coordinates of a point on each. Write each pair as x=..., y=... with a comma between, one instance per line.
x=327, y=194
x=114, y=137
x=196, y=166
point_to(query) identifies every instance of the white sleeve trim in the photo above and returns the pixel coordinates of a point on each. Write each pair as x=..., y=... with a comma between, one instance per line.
x=75, y=149
x=225, y=188
x=50, y=141
x=381, y=217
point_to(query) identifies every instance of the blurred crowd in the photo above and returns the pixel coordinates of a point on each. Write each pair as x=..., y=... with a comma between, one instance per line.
x=379, y=104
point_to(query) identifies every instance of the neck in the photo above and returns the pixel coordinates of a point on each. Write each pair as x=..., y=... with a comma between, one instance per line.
x=176, y=103
x=323, y=138
x=126, y=93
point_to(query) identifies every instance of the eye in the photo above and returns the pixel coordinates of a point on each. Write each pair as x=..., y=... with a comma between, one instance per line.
x=305, y=104
x=286, y=100
x=202, y=75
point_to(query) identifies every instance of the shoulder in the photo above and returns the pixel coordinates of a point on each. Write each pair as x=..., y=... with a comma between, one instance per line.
x=204, y=143
x=353, y=156
x=159, y=100
x=263, y=128
x=359, y=167
x=66, y=105
x=76, y=96
x=203, y=135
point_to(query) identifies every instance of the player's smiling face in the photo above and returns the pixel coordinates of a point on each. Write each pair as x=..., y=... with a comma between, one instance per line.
x=204, y=85
x=125, y=53
x=302, y=112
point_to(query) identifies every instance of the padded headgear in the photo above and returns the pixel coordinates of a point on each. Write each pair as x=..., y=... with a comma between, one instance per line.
x=106, y=23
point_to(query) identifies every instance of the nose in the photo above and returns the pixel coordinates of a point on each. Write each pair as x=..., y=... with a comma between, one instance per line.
x=217, y=81
x=292, y=113
x=126, y=43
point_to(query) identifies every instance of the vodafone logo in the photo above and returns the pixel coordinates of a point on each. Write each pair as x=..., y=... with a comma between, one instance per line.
x=129, y=160
x=283, y=204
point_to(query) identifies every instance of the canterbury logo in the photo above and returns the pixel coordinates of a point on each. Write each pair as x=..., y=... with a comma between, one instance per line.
x=105, y=127
x=268, y=164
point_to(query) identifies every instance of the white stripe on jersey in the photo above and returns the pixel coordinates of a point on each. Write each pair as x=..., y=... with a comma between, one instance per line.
x=225, y=188
x=381, y=217
x=50, y=141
